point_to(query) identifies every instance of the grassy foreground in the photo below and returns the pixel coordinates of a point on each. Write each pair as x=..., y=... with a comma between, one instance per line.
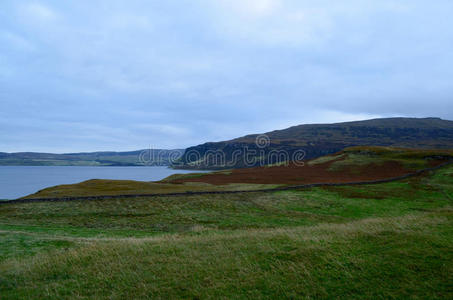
x=391, y=240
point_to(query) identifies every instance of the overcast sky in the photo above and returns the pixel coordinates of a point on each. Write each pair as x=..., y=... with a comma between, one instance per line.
x=123, y=75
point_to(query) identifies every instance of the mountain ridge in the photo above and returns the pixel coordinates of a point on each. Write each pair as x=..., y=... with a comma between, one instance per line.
x=320, y=139
x=153, y=157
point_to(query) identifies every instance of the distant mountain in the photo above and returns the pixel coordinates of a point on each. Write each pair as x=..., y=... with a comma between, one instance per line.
x=154, y=157
x=314, y=140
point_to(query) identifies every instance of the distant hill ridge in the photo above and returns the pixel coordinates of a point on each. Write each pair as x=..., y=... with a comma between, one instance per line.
x=154, y=157
x=321, y=139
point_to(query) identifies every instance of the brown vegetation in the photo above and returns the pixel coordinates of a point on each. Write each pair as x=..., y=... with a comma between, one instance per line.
x=337, y=170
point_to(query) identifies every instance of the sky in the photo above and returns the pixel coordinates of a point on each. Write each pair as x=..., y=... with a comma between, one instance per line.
x=124, y=75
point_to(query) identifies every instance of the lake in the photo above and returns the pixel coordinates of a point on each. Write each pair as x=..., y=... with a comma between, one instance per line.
x=19, y=181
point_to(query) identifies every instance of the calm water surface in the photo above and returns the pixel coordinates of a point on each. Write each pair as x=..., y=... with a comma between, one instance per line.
x=18, y=181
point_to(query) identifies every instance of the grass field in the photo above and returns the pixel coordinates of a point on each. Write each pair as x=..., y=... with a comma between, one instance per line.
x=392, y=240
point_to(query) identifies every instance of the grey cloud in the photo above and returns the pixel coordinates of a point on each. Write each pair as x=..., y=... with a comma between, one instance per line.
x=89, y=75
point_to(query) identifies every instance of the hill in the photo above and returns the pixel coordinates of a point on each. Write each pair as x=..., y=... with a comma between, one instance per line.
x=315, y=140
x=376, y=241
x=355, y=164
x=158, y=157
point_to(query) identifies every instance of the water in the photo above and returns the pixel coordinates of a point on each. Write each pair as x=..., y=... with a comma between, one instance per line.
x=19, y=181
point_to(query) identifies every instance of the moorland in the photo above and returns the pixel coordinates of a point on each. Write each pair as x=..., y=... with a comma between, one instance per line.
x=372, y=240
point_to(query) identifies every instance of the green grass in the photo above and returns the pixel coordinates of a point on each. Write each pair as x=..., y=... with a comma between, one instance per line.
x=392, y=240
x=372, y=258
x=182, y=176
x=175, y=177
x=15, y=244
x=325, y=159
x=356, y=158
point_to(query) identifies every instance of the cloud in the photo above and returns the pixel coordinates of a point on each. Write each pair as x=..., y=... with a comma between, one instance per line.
x=269, y=22
x=164, y=129
x=38, y=12
x=295, y=23
x=178, y=73
x=251, y=8
x=16, y=41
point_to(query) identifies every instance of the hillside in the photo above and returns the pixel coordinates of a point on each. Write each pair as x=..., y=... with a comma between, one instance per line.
x=355, y=164
x=316, y=140
x=158, y=157
x=380, y=241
